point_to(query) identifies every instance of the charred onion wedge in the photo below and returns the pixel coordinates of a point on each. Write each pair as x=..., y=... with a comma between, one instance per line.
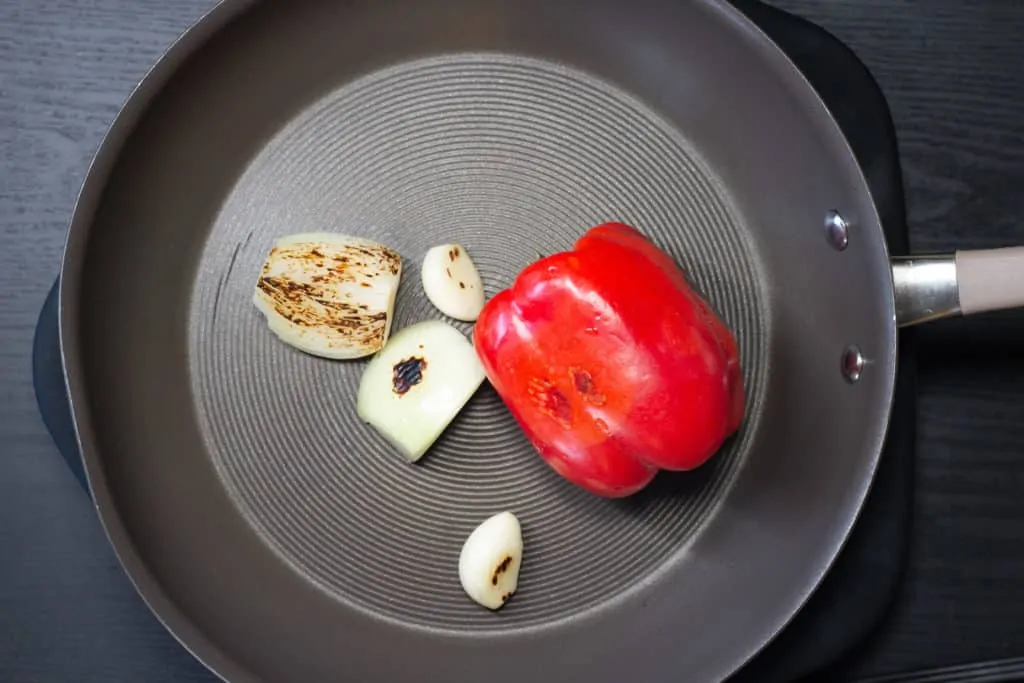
x=329, y=295
x=415, y=387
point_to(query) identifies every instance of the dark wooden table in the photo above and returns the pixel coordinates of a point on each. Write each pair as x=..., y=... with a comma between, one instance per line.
x=953, y=71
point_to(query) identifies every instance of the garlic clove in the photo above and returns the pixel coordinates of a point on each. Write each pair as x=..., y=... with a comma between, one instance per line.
x=329, y=295
x=490, y=561
x=452, y=283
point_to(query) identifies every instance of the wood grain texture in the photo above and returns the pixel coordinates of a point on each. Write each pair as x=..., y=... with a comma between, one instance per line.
x=66, y=610
x=952, y=71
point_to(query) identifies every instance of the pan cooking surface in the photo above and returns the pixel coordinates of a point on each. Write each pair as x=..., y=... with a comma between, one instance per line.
x=282, y=540
x=513, y=158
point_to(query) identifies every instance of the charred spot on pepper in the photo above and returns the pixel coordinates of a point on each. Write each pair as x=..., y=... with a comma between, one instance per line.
x=550, y=401
x=583, y=381
x=407, y=373
x=462, y=285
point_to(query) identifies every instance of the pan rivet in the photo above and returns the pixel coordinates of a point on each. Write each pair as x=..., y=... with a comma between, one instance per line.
x=853, y=363
x=837, y=230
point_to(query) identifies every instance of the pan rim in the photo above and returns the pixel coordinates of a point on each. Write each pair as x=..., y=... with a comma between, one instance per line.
x=146, y=586
x=106, y=158
x=808, y=96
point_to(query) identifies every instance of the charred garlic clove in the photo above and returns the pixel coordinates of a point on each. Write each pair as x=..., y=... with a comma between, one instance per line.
x=412, y=390
x=329, y=295
x=490, y=561
x=452, y=282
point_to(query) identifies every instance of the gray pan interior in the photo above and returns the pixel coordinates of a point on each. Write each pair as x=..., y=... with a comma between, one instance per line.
x=282, y=540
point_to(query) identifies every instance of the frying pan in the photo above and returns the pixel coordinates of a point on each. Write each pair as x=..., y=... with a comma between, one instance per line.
x=277, y=537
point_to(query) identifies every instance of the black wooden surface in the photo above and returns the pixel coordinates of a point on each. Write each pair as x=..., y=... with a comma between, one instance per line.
x=953, y=71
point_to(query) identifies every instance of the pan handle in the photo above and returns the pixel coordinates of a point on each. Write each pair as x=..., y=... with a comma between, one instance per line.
x=964, y=283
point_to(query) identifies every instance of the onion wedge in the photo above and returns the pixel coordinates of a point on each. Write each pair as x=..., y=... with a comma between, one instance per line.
x=329, y=295
x=412, y=390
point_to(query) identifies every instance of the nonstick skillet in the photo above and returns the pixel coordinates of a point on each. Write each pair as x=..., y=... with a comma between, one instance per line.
x=282, y=540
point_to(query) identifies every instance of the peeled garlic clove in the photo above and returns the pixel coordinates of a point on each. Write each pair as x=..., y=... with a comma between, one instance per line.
x=417, y=384
x=452, y=282
x=329, y=295
x=490, y=561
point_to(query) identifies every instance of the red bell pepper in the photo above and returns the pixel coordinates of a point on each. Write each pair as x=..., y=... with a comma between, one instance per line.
x=612, y=364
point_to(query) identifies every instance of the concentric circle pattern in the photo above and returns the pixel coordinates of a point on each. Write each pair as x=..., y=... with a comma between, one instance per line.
x=512, y=158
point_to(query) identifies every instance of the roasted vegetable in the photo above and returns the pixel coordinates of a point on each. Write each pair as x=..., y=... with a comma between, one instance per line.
x=490, y=561
x=417, y=384
x=611, y=363
x=452, y=282
x=329, y=295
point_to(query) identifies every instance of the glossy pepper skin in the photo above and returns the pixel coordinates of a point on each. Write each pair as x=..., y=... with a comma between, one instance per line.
x=612, y=364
